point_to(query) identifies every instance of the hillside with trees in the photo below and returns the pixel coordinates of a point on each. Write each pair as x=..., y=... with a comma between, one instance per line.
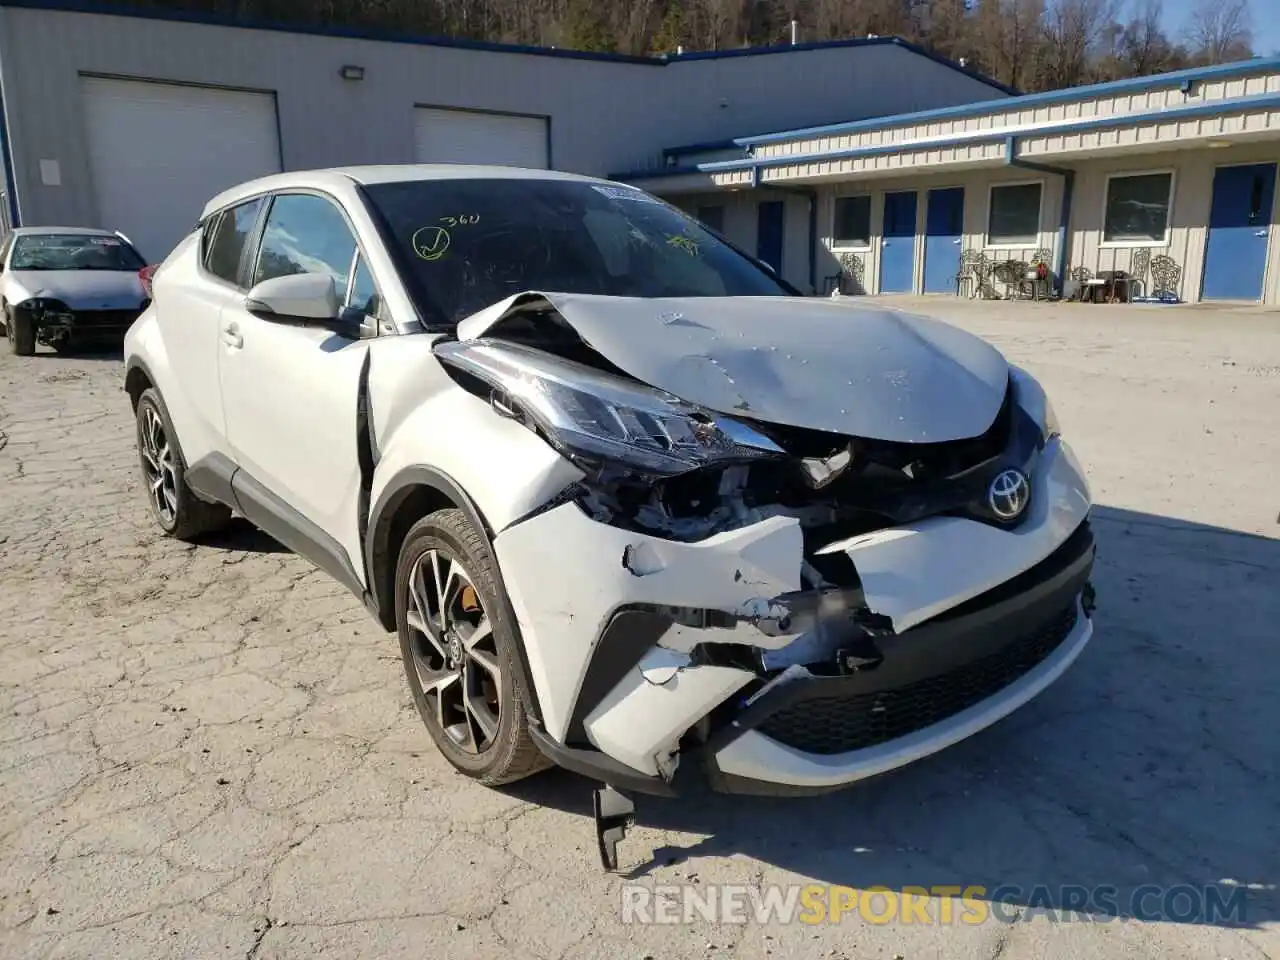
x=1029, y=44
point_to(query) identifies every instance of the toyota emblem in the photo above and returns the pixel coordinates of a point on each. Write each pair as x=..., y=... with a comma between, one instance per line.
x=1009, y=494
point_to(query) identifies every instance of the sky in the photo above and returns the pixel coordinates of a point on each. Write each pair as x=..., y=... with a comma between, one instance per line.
x=1266, y=25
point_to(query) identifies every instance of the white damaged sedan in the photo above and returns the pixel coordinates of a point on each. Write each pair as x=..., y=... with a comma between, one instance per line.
x=632, y=504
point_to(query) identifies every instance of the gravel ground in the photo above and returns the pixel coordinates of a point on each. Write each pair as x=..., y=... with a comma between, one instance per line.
x=209, y=751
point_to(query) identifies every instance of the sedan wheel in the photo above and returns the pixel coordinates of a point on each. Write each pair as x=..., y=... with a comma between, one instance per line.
x=460, y=650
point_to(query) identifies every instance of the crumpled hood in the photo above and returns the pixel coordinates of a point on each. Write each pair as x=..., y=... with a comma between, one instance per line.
x=83, y=289
x=845, y=368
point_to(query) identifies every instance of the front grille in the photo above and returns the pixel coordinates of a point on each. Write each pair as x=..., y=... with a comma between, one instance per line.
x=105, y=319
x=828, y=725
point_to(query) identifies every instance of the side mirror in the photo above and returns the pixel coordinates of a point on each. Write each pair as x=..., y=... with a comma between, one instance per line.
x=309, y=298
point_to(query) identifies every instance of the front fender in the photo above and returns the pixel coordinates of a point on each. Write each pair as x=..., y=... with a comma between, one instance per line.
x=505, y=469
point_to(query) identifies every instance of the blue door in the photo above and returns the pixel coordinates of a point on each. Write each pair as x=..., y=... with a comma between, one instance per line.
x=898, y=245
x=1236, y=254
x=770, y=218
x=944, y=227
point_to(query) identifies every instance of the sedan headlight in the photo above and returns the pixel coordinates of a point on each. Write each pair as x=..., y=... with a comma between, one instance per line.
x=1029, y=395
x=584, y=412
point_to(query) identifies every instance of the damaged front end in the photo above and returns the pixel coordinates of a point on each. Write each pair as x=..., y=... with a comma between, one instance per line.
x=57, y=325
x=794, y=607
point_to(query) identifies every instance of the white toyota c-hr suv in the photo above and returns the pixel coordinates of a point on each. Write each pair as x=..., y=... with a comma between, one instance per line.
x=632, y=504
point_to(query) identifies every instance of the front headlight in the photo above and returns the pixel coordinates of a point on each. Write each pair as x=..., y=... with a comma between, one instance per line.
x=1030, y=396
x=584, y=412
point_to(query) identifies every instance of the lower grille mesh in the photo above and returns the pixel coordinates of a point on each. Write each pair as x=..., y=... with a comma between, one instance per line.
x=108, y=319
x=827, y=725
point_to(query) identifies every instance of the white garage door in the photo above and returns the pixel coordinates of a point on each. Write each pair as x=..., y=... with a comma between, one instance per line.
x=468, y=136
x=158, y=152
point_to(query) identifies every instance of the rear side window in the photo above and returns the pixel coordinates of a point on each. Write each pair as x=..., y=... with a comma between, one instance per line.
x=225, y=238
x=306, y=234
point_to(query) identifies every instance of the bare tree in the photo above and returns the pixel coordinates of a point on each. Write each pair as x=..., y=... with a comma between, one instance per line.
x=1220, y=31
x=1008, y=38
x=1072, y=30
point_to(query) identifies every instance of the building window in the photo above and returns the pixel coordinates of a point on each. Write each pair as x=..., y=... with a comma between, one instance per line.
x=1014, y=216
x=1137, y=208
x=712, y=217
x=852, y=227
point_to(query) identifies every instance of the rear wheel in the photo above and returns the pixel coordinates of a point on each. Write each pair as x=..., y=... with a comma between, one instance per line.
x=178, y=511
x=22, y=332
x=459, y=651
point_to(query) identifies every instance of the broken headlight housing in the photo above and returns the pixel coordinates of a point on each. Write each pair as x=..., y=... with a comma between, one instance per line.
x=1030, y=396
x=586, y=413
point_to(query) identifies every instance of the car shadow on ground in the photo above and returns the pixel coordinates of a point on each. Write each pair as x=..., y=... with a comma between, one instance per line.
x=1145, y=783
x=240, y=534
x=112, y=350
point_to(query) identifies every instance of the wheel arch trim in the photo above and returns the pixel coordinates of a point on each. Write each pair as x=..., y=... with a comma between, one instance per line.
x=381, y=564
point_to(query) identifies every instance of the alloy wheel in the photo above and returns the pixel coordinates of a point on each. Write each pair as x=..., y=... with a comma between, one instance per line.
x=157, y=467
x=454, y=651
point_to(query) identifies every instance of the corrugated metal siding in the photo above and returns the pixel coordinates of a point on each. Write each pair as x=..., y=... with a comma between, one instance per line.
x=879, y=165
x=326, y=121
x=1000, y=122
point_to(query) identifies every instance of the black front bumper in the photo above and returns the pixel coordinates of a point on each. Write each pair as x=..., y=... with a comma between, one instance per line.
x=918, y=678
x=54, y=325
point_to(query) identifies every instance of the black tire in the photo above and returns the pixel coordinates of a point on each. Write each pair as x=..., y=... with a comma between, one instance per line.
x=22, y=332
x=509, y=754
x=187, y=515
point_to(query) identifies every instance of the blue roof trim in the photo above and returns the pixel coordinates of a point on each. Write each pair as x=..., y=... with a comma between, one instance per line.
x=706, y=147
x=1219, y=71
x=387, y=36
x=985, y=136
x=628, y=176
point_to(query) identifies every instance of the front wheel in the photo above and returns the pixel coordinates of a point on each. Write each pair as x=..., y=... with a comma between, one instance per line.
x=22, y=332
x=459, y=651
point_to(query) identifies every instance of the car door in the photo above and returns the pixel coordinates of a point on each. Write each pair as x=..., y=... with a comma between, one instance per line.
x=190, y=295
x=290, y=391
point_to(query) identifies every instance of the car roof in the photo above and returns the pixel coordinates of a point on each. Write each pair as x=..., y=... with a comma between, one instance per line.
x=334, y=177
x=72, y=231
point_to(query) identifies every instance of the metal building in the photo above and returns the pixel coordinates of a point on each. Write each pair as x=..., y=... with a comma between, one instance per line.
x=1159, y=188
x=132, y=121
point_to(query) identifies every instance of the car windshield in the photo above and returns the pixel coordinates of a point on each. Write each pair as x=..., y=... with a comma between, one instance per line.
x=73, y=251
x=463, y=245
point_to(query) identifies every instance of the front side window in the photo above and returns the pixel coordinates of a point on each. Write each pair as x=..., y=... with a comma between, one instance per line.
x=462, y=245
x=852, y=226
x=1137, y=208
x=74, y=251
x=306, y=234
x=364, y=298
x=225, y=239
x=1015, y=215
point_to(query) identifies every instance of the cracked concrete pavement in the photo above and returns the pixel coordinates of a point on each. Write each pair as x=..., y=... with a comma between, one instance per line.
x=209, y=751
